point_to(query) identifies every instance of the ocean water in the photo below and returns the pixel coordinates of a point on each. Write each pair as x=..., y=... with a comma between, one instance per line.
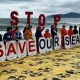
x=5, y=22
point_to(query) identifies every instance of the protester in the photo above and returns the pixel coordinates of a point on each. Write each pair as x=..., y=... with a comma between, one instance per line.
x=8, y=35
x=70, y=31
x=53, y=31
x=47, y=34
x=25, y=28
x=38, y=34
x=0, y=37
x=18, y=35
x=75, y=30
x=79, y=30
x=63, y=33
x=28, y=32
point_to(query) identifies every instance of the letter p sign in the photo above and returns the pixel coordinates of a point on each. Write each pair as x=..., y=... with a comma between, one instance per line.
x=56, y=19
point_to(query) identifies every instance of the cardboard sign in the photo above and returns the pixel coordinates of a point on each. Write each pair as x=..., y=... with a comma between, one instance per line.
x=42, y=45
x=67, y=41
x=73, y=41
x=2, y=52
x=56, y=42
x=31, y=46
x=11, y=51
x=22, y=48
x=49, y=44
x=45, y=45
x=77, y=40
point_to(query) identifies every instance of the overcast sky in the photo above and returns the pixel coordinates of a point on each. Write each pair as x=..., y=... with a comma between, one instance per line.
x=38, y=7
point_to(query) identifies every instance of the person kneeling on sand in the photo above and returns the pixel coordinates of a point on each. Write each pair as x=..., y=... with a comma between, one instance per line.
x=8, y=36
x=18, y=35
x=47, y=34
x=28, y=33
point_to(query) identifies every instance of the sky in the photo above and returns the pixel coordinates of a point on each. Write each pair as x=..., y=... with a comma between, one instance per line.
x=46, y=7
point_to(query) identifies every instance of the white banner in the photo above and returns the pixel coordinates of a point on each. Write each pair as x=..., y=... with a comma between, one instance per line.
x=42, y=45
x=31, y=46
x=11, y=51
x=67, y=41
x=49, y=44
x=77, y=40
x=73, y=41
x=22, y=48
x=57, y=42
x=2, y=52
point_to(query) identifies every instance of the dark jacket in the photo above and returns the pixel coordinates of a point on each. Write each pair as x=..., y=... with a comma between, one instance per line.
x=38, y=34
x=8, y=37
x=0, y=37
x=53, y=33
x=75, y=31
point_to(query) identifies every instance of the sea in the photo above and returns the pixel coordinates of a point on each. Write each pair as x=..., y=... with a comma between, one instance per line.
x=5, y=22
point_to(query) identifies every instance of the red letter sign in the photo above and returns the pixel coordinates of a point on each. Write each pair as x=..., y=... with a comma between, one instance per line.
x=56, y=19
x=2, y=51
x=14, y=18
x=40, y=20
x=28, y=16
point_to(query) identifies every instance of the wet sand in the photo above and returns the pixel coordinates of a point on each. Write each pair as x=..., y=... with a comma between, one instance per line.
x=63, y=64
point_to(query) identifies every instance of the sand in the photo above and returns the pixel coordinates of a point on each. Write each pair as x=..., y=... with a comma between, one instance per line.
x=63, y=64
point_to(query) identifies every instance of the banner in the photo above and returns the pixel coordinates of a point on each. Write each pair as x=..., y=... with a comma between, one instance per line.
x=45, y=45
x=49, y=44
x=57, y=44
x=73, y=41
x=77, y=40
x=2, y=52
x=42, y=45
x=31, y=46
x=22, y=48
x=11, y=51
x=67, y=41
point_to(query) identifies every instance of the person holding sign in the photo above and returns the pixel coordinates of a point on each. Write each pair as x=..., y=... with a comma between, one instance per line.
x=63, y=33
x=38, y=34
x=47, y=34
x=70, y=31
x=28, y=33
x=53, y=31
x=8, y=35
x=75, y=30
x=18, y=35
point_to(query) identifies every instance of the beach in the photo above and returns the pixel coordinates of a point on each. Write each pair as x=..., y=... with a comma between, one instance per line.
x=63, y=64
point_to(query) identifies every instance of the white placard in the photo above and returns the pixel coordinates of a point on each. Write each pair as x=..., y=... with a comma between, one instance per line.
x=11, y=51
x=31, y=46
x=49, y=44
x=67, y=41
x=22, y=48
x=2, y=52
x=56, y=43
x=73, y=41
x=42, y=45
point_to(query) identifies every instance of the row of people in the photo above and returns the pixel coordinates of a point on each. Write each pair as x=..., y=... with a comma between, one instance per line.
x=27, y=33
x=70, y=32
